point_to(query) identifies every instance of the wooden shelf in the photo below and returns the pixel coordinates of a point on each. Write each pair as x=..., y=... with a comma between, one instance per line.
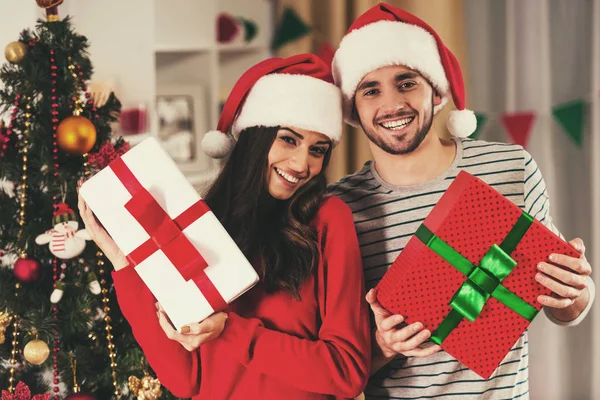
x=240, y=47
x=221, y=47
x=183, y=49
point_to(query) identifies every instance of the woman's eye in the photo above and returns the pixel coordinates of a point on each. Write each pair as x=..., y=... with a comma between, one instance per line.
x=320, y=151
x=371, y=92
x=288, y=139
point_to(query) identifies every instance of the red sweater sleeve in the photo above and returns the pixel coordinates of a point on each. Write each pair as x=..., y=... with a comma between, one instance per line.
x=338, y=362
x=176, y=368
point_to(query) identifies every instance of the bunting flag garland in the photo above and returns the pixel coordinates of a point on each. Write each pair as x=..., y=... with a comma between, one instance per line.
x=230, y=28
x=571, y=118
x=250, y=29
x=227, y=29
x=518, y=126
x=291, y=28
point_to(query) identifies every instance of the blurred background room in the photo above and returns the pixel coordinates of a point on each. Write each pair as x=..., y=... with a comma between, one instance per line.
x=532, y=72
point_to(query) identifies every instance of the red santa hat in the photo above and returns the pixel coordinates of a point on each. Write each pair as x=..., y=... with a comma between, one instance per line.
x=296, y=91
x=386, y=35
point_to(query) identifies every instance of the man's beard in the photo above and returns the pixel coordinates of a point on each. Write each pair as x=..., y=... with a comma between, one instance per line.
x=409, y=147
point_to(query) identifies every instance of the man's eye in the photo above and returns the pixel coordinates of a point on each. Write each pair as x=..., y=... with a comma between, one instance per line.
x=407, y=85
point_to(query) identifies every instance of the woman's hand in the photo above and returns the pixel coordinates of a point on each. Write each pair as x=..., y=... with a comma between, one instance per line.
x=194, y=335
x=101, y=237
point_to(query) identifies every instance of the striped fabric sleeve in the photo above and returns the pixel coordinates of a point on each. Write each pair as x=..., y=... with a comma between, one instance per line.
x=537, y=201
x=537, y=204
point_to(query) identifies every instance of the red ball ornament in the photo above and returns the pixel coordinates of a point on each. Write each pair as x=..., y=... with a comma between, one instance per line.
x=27, y=269
x=80, y=396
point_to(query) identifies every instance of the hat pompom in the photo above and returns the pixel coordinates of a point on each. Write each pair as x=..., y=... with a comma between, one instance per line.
x=217, y=144
x=461, y=123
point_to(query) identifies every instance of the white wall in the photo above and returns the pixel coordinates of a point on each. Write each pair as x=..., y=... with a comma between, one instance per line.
x=120, y=34
x=121, y=43
x=16, y=16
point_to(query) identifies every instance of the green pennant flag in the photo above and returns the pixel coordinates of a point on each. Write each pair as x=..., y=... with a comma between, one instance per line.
x=571, y=117
x=250, y=29
x=481, y=119
x=290, y=28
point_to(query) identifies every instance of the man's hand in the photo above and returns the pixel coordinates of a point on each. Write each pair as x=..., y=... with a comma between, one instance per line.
x=567, y=278
x=391, y=340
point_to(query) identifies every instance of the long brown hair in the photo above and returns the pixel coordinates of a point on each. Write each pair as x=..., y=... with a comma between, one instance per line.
x=276, y=233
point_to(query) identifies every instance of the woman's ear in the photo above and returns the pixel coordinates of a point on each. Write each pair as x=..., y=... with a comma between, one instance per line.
x=437, y=99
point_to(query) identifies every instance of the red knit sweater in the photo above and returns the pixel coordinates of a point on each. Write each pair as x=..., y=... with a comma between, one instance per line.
x=273, y=346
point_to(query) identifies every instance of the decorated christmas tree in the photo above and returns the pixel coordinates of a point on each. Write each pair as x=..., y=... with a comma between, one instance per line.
x=61, y=332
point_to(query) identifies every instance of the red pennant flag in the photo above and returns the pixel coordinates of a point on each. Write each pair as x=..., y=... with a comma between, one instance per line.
x=326, y=53
x=518, y=126
x=227, y=28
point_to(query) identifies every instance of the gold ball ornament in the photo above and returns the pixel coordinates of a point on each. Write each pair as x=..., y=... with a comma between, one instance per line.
x=76, y=135
x=36, y=352
x=15, y=51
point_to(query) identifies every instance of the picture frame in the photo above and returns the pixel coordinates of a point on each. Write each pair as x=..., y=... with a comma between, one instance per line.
x=182, y=119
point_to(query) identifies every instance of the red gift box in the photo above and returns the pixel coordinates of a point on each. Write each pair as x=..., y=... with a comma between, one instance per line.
x=468, y=274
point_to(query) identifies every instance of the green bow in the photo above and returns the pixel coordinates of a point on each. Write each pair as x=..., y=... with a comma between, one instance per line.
x=484, y=281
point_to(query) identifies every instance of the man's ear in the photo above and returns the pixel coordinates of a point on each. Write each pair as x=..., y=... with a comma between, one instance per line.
x=354, y=113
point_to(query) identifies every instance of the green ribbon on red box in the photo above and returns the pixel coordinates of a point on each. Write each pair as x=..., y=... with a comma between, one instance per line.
x=484, y=281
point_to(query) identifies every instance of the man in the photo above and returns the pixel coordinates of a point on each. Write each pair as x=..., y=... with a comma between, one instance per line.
x=395, y=74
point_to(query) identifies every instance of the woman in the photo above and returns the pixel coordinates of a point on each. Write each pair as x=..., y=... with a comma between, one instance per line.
x=302, y=332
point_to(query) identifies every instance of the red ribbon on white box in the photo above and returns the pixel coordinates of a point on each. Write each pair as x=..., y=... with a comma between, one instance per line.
x=166, y=234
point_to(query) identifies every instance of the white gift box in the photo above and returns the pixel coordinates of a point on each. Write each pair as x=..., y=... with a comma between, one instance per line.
x=228, y=270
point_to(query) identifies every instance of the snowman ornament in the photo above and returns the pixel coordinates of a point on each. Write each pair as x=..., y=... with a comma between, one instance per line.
x=66, y=241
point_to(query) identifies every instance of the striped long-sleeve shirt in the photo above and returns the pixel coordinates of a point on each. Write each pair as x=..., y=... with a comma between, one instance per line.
x=386, y=217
